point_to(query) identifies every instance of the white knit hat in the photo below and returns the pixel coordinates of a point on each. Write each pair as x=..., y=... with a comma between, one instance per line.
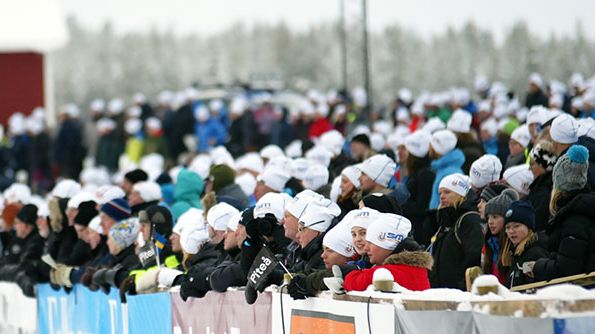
x=17, y=192
x=316, y=177
x=133, y=126
x=536, y=115
x=271, y=151
x=519, y=178
x=380, y=168
x=294, y=149
x=299, y=168
x=388, y=230
x=105, y=194
x=353, y=173
x=319, y=154
x=564, y=129
x=148, y=190
x=360, y=217
x=193, y=237
x=271, y=203
x=247, y=182
x=234, y=221
x=457, y=183
x=339, y=240
x=219, y=215
x=250, y=161
x=297, y=205
x=485, y=170
x=317, y=218
x=377, y=141
x=490, y=125
x=460, y=121
x=66, y=189
x=274, y=178
x=443, y=141
x=76, y=200
x=333, y=141
x=418, y=143
x=95, y=225
x=434, y=124
x=153, y=123
x=521, y=135
x=193, y=217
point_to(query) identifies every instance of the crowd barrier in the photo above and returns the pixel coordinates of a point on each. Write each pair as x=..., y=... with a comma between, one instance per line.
x=83, y=311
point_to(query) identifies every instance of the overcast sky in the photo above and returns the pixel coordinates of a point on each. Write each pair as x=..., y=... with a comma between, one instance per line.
x=425, y=16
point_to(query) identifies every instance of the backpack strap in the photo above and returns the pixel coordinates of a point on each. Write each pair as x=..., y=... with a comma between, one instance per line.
x=458, y=224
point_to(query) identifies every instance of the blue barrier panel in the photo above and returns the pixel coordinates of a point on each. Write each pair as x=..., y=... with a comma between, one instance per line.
x=80, y=311
x=150, y=313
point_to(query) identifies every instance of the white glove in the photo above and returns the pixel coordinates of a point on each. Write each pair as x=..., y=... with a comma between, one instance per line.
x=148, y=281
x=335, y=283
x=167, y=275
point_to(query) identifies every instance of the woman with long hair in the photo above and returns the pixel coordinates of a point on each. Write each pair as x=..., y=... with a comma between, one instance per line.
x=458, y=241
x=571, y=231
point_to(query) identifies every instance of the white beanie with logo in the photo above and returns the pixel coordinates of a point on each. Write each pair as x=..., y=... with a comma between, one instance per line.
x=521, y=135
x=388, y=230
x=457, y=183
x=380, y=168
x=485, y=170
x=519, y=178
x=339, y=240
x=460, y=121
x=564, y=129
x=273, y=203
x=443, y=141
x=219, y=215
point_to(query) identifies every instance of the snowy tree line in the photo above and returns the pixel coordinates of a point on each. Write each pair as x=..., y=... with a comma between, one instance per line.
x=101, y=63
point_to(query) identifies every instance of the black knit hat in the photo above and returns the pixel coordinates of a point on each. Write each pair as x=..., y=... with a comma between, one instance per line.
x=28, y=214
x=160, y=217
x=361, y=138
x=521, y=212
x=491, y=191
x=136, y=175
x=382, y=203
x=500, y=204
x=87, y=211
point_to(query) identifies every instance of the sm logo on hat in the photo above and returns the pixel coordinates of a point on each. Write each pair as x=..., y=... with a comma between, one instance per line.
x=263, y=205
x=363, y=214
x=390, y=236
x=475, y=172
x=508, y=213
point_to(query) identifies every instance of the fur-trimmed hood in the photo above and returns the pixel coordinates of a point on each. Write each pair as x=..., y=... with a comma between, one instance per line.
x=420, y=259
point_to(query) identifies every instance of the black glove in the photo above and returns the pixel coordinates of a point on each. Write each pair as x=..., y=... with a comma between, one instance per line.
x=26, y=284
x=87, y=279
x=99, y=279
x=297, y=288
x=187, y=289
x=250, y=294
x=127, y=287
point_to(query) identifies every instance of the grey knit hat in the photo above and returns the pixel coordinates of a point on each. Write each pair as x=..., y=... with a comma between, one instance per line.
x=499, y=204
x=570, y=172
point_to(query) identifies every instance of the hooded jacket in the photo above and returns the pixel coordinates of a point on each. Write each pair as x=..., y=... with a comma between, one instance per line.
x=409, y=269
x=453, y=255
x=189, y=187
x=447, y=164
x=571, y=243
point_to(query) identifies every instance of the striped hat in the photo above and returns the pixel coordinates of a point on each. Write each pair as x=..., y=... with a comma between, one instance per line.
x=117, y=209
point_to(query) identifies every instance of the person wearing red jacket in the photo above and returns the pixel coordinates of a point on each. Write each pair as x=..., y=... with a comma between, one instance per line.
x=409, y=269
x=321, y=123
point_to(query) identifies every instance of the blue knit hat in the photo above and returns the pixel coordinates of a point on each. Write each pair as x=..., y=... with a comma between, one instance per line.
x=117, y=209
x=521, y=212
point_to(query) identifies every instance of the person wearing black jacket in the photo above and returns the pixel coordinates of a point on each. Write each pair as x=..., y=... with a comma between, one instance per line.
x=121, y=238
x=458, y=241
x=419, y=180
x=182, y=125
x=229, y=272
x=22, y=255
x=241, y=130
x=535, y=96
x=542, y=163
x=525, y=244
x=571, y=232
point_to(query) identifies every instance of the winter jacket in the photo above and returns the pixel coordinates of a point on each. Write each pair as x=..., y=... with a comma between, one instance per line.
x=120, y=264
x=571, y=243
x=21, y=255
x=419, y=185
x=490, y=146
x=182, y=124
x=210, y=134
x=515, y=160
x=100, y=256
x=318, y=127
x=534, y=250
x=536, y=99
x=109, y=148
x=20, y=146
x=228, y=273
x=68, y=148
x=449, y=163
x=309, y=258
x=134, y=149
x=234, y=191
x=189, y=187
x=492, y=248
x=241, y=135
x=409, y=269
x=452, y=255
x=193, y=283
x=156, y=144
x=539, y=196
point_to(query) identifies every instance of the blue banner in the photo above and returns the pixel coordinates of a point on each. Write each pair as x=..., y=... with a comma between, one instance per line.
x=150, y=313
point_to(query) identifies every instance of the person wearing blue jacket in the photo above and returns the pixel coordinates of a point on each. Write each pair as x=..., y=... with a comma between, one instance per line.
x=447, y=159
x=209, y=131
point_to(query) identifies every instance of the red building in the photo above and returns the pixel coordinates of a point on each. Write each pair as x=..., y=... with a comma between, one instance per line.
x=26, y=39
